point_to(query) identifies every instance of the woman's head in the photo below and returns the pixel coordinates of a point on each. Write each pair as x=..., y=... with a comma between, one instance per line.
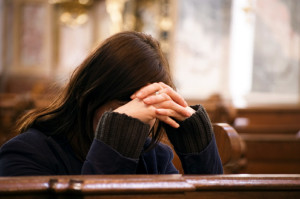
x=121, y=65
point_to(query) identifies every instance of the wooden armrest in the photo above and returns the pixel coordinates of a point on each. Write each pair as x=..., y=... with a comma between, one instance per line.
x=229, y=142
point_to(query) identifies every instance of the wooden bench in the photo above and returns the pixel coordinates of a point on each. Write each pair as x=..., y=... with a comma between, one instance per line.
x=268, y=120
x=272, y=136
x=12, y=106
x=152, y=186
x=272, y=153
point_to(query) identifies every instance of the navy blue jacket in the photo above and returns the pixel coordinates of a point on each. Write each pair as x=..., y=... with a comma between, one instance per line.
x=35, y=153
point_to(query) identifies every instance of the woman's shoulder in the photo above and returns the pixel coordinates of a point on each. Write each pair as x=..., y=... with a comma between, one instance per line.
x=29, y=153
x=30, y=137
x=30, y=144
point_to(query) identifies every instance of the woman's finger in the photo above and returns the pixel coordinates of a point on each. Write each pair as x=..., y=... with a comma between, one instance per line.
x=173, y=94
x=149, y=97
x=133, y=96
x=168, y=121
x=164, y=101
x=154, y=99
x=184, y=111
x=147, y=93
x=147, y=90
x=170, y=113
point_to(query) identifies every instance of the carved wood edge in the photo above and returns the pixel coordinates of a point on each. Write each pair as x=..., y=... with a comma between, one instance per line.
x=133, y=184
x=230, y=145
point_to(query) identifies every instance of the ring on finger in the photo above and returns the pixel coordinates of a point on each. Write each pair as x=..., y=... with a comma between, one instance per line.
x=157, y=93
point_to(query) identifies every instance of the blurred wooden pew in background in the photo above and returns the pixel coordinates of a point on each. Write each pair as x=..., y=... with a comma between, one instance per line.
x=272, y=137
x=268, y=120
x=12, y=106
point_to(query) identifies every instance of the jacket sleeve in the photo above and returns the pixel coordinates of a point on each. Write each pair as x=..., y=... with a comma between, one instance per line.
x=206, y=162
x=117, y=146
x=195, y=144
x=103, y=159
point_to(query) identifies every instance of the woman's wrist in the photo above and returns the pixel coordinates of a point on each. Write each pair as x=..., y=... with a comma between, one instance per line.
x=194, y=134
x=123, y=133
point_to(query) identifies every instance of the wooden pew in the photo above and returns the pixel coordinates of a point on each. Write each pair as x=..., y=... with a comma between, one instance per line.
x=152, y=186
x=268, y=120
x=12, y=106
x=272, y=153
x=272, y=136
x=231, y=147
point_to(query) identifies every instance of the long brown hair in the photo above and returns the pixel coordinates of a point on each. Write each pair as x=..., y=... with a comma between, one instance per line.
x=121, y=65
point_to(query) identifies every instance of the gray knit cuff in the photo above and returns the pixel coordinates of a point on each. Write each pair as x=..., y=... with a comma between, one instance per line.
x=194, y=133
x=123, y=133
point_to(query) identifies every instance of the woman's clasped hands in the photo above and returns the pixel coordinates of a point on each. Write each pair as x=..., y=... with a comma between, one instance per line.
x=157, y=101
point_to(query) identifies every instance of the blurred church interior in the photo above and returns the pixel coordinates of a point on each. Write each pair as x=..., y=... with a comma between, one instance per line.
x=239, y=58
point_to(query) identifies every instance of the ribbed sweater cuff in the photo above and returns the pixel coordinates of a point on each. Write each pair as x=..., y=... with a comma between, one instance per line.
x=194, y=133
x=123, y=133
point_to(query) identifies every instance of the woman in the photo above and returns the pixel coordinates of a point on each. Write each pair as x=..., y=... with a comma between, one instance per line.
x=101, y=123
